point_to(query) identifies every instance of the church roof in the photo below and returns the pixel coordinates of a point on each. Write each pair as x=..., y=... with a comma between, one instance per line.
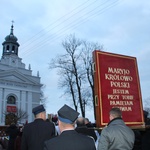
x=15, y=75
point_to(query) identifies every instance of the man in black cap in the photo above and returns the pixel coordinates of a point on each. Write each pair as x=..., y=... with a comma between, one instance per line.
x=69, y=139
x=38, y=131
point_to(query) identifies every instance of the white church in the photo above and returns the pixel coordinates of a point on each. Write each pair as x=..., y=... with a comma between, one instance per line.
x=19, y=89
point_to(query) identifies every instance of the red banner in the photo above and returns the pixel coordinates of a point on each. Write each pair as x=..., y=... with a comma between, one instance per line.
x=11, y=109
x=116, y=84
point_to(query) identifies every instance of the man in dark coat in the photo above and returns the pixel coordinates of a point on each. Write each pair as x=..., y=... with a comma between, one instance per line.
x=37, y=132
x=12, y=132
x=82, y=128
x=69, y=139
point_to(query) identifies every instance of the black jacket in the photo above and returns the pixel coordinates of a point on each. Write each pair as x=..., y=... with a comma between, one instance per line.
x=70, y=140
x=36, y=133
x=12, y=132
x=87, y=131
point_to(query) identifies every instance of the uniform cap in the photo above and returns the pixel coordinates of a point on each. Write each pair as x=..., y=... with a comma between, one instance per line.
x=67, y=115
x=38, y=109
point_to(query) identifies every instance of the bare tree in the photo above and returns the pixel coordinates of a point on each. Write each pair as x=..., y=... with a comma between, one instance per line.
x=75, y=71
x=71, y=45
x=87, y=58
x=21, y=115
x=69, y=70
x=69, y=83
x=11, y=117
x=42, y=96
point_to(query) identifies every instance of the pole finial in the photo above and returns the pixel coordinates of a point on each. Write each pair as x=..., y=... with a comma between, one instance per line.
x=12, y=22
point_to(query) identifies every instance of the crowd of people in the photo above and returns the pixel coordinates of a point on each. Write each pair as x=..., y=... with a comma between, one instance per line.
x=68, y=131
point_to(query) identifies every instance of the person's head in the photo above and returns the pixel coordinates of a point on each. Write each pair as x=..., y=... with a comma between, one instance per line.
x=115, y=113
x=80, y=122
x=39, y=112
x=67, y=117
x=55, y=119
x=86, y=121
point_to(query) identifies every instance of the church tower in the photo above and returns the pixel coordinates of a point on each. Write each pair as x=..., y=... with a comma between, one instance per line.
x=20, y=91
x=10, y=45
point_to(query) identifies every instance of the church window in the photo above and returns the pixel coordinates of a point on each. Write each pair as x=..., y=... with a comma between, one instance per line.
x=11, y=100
x=7, y=47
x=13, y=48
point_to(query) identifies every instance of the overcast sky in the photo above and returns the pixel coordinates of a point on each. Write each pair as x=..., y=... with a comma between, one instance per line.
x=122, y=26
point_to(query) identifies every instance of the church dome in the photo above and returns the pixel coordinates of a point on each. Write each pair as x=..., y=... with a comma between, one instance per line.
x=11, y=36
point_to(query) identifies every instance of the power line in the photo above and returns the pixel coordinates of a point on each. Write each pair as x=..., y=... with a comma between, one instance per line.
x=60, y=23
x=72, y=25
x=55, y=22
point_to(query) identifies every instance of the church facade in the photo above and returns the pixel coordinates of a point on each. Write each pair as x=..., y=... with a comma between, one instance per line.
x=20, y=91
